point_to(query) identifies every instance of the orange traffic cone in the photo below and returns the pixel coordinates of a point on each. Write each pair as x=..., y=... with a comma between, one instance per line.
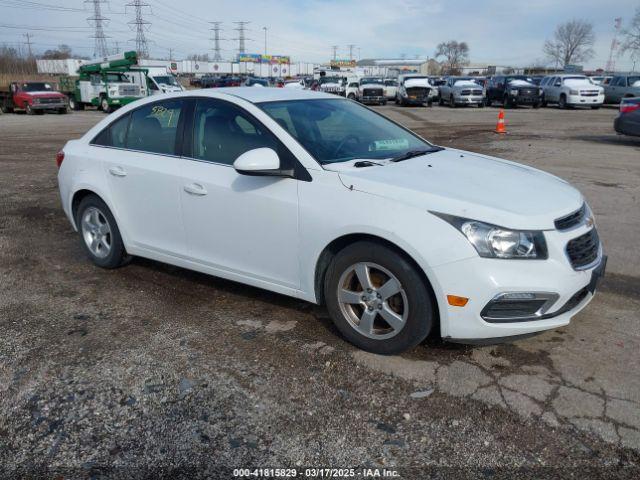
x=500, y=128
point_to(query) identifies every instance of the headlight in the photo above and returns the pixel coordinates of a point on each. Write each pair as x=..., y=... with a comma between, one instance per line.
x=540, y=91
x=574, y=92
x=514, y=93
x=36, y=100
x=492, y=241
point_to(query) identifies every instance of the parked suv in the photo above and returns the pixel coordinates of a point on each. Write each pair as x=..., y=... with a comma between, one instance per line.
x=461, y=91
x=513, y=90
x=622, y=86
x=571, y=91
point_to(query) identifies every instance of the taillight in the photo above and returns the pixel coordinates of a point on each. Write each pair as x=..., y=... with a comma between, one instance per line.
x=59, y=158
x=629, y=107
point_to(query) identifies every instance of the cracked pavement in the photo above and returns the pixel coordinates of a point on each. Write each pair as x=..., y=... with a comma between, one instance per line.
x=154, y=370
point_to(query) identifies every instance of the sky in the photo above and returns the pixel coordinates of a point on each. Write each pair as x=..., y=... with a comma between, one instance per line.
x=499, y=32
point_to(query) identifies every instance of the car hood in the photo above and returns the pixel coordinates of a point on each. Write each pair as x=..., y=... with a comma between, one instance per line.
x=371, y=85
x=469, y=185
x=45, y=94
x=417, y=82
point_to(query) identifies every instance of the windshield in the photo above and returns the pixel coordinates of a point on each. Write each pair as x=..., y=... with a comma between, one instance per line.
x=371, y=80
x=165, y=80
x=335, y=130
x=116, y=78
x=36, y=87
x=324, y=80
x=577, y=81
x=521, y=78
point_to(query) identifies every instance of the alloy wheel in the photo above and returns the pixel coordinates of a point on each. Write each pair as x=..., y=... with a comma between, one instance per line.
x=372, y=300
x=96, y=232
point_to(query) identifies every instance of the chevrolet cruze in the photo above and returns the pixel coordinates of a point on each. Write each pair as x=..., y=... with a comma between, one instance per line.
x=317, y=197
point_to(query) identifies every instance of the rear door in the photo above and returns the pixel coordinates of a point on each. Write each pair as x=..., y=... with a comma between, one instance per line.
x=142, y=168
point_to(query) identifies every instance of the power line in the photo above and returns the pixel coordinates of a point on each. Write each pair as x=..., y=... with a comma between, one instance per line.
x=140, y=24
x=216, y=40
x=242, y=26
x=100, y=39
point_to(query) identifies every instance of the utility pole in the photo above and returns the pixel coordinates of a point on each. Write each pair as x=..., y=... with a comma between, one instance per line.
x=28, y=42
x=171, y=54
x=265, y=40
x=100, y=42
x=351, y=47
x=117, y=47
x=140, y=24
x=216, y=40
x=611, y=63
x=241, y=28
x=335, y=51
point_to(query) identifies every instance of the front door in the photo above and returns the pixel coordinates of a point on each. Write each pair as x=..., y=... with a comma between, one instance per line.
x=244, y=226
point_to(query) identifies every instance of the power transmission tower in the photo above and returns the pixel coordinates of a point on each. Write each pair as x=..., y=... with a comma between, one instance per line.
x=140, y=24
x=335, y=51
x=611, y=63
x=28, y=42
x=241, y=28
x=351, y=47
x=216, y=40
x=116, y=49
x=100, y=42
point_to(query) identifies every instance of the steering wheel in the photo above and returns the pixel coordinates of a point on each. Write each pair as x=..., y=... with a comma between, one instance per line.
x=342, y=143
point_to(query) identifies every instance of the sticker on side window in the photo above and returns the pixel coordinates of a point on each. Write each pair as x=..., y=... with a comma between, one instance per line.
x=391, y=144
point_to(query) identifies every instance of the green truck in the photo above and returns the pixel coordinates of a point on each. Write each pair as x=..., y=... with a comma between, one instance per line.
x=106, y=84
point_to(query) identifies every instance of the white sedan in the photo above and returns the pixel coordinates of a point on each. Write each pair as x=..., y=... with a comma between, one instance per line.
x=317, y=197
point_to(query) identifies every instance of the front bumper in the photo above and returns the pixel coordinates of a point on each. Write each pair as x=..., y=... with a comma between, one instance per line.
x=415, y=100
x=374, y=100
x=49, y=106
x=483, y=279
x=577, y=100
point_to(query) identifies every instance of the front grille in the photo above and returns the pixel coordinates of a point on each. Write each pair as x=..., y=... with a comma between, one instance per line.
x=529, y=92
x=50, y=100
x=571, y=220
x=589, y=93
x=128, y=90
x=476, y=92
x=583, y=251
x=372, y=92
x=418, y=92
x=466, y=93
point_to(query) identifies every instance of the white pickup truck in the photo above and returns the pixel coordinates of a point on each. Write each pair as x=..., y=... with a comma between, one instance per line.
x=414, y=89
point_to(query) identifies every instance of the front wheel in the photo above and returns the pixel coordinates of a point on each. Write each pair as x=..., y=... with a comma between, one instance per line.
x=100, y=234
x=30, y=111
x=595, y=107
x=452, y=102
x=351, y=96
x=62, y=111
x=377, y=298
x=440, y=101
x=562, y=103
x=104, y=104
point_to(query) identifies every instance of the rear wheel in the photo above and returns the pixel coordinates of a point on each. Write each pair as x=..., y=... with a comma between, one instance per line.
x=75, y=105
x=377, y=299
x=100, y=234
x=6, y=109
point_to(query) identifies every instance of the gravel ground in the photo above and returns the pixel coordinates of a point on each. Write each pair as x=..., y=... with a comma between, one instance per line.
x=157, y=372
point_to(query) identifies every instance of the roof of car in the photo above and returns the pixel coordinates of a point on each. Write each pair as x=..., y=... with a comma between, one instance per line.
x=258, y=95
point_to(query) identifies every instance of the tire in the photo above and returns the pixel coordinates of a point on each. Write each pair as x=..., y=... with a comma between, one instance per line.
x=351, y=96
x=562, y=103
x=6, y=109
x=481, y=104
x=91, y=216
x=28, y=109
x=537, y=105
x=73, y=105
x=595, y=107
x=62, y=111
x=487, y=102
x=430, y=103
x=104, y=104
x=506, y=103
x=381, y=264
x=452, y=102
x=440, y=101
x=383, y=102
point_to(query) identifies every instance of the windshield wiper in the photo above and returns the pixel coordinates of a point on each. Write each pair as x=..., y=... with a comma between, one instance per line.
x=415, y=153
x=365, y=163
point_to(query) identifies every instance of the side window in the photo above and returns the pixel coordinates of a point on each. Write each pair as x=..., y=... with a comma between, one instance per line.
x=154, y=127
x=115, y=135
x=223, y=132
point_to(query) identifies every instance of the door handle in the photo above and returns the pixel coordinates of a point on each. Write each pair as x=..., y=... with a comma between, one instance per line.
x=195, y=189
x=117, y=172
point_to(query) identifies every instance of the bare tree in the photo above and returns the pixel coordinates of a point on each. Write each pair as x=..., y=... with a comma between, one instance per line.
x=572, y=42
x=62, y=52
x=456, y=54
x=631, y=37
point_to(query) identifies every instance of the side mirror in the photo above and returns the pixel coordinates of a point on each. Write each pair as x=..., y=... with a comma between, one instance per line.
x=260, y=162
